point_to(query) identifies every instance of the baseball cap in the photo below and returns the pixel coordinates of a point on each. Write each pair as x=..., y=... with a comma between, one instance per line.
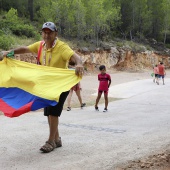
x=49, y=25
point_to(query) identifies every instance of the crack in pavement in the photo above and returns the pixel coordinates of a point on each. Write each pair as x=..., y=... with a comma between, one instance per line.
x=94, y=128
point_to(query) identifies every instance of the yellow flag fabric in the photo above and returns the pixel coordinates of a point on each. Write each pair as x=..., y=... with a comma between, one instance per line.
x=42, y=81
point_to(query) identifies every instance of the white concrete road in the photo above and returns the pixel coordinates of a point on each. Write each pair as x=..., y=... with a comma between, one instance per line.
x=135, y=126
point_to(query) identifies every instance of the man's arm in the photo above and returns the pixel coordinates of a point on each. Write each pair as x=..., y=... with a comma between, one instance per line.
x=79, y=70
x=164, y=71
x=19, y=50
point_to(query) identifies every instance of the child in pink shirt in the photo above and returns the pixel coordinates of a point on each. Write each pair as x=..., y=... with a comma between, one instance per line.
x=156, y=73
x=104, y=84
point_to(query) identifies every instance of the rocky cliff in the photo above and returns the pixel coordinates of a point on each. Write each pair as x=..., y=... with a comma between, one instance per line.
x=117, y=58
x=121, y=59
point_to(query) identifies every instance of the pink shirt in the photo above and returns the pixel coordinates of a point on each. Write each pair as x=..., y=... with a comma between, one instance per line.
x=104, y=80
x=156, y=70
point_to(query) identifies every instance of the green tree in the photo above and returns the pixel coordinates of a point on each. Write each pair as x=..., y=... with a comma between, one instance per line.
x=100, y=17
x=31, y=9
x=12, y=16
x=166, y=21
x=47, y=11
x=135, y=18
x=78, y=13
x=157, y=16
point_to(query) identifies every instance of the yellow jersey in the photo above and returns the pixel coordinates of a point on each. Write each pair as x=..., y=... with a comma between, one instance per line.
x=57, y=56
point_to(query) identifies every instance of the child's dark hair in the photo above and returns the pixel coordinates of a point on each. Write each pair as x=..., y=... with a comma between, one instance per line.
x=102, y=67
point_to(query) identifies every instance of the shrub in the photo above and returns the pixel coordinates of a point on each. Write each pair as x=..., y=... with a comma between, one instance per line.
x=23, y=30
x=1, y=32
x=167, y=45
x=17, y=25
x=6, y=42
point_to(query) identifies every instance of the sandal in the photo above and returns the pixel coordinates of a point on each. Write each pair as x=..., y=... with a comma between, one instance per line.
x=48, y=147
x=58, y=143
x=68, y=108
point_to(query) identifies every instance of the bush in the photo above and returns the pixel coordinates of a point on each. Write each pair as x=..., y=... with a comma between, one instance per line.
x=23, y=30
x=1, y=32
x=6, y=42
x=167, y=45
x=16, y=25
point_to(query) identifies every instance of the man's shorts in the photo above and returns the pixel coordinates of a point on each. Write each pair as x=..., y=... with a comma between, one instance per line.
x=161, y=76
x=101, y=91
x=57, y=109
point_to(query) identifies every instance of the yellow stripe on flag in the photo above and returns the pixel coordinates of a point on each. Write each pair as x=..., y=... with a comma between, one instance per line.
x=42, y=81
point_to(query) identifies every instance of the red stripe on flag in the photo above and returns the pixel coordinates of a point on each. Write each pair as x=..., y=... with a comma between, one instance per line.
x=11, y=112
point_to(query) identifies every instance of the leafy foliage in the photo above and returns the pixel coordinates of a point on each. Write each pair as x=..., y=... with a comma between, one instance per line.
x=96, y=20
x=17, y=26
x=12, y=24
x=5, y=41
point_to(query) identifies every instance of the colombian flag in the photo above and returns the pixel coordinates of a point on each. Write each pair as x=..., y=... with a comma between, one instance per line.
x=27, y=87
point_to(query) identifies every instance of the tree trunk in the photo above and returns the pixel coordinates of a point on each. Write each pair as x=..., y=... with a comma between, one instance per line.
x=0, y=5
x=131, y=35
x=165, y=35
x=30, y=9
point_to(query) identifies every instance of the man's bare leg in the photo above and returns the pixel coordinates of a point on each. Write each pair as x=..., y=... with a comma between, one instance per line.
x=50, y=145
x=163, y=81
x=53, y=125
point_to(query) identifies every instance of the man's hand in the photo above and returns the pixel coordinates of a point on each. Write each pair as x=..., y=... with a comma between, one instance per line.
x=3, y=54
x=79, y=70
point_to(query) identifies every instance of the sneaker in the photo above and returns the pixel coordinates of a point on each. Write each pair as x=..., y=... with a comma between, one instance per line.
x=83, y=105
x=58, y=143
x=96, y=108
x=105, y=110
x=68, y=108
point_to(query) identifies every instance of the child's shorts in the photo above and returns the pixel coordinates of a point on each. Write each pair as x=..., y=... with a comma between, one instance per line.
x=101, y=91
x=76, y=87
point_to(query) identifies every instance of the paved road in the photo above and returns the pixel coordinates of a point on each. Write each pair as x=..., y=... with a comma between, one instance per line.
x=135, y=126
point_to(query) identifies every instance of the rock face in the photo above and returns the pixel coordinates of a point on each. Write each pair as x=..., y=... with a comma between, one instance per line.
x=121, y=59
x=117, y=58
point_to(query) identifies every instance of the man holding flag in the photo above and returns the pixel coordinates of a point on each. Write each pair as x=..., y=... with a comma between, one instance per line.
x=53, y=53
